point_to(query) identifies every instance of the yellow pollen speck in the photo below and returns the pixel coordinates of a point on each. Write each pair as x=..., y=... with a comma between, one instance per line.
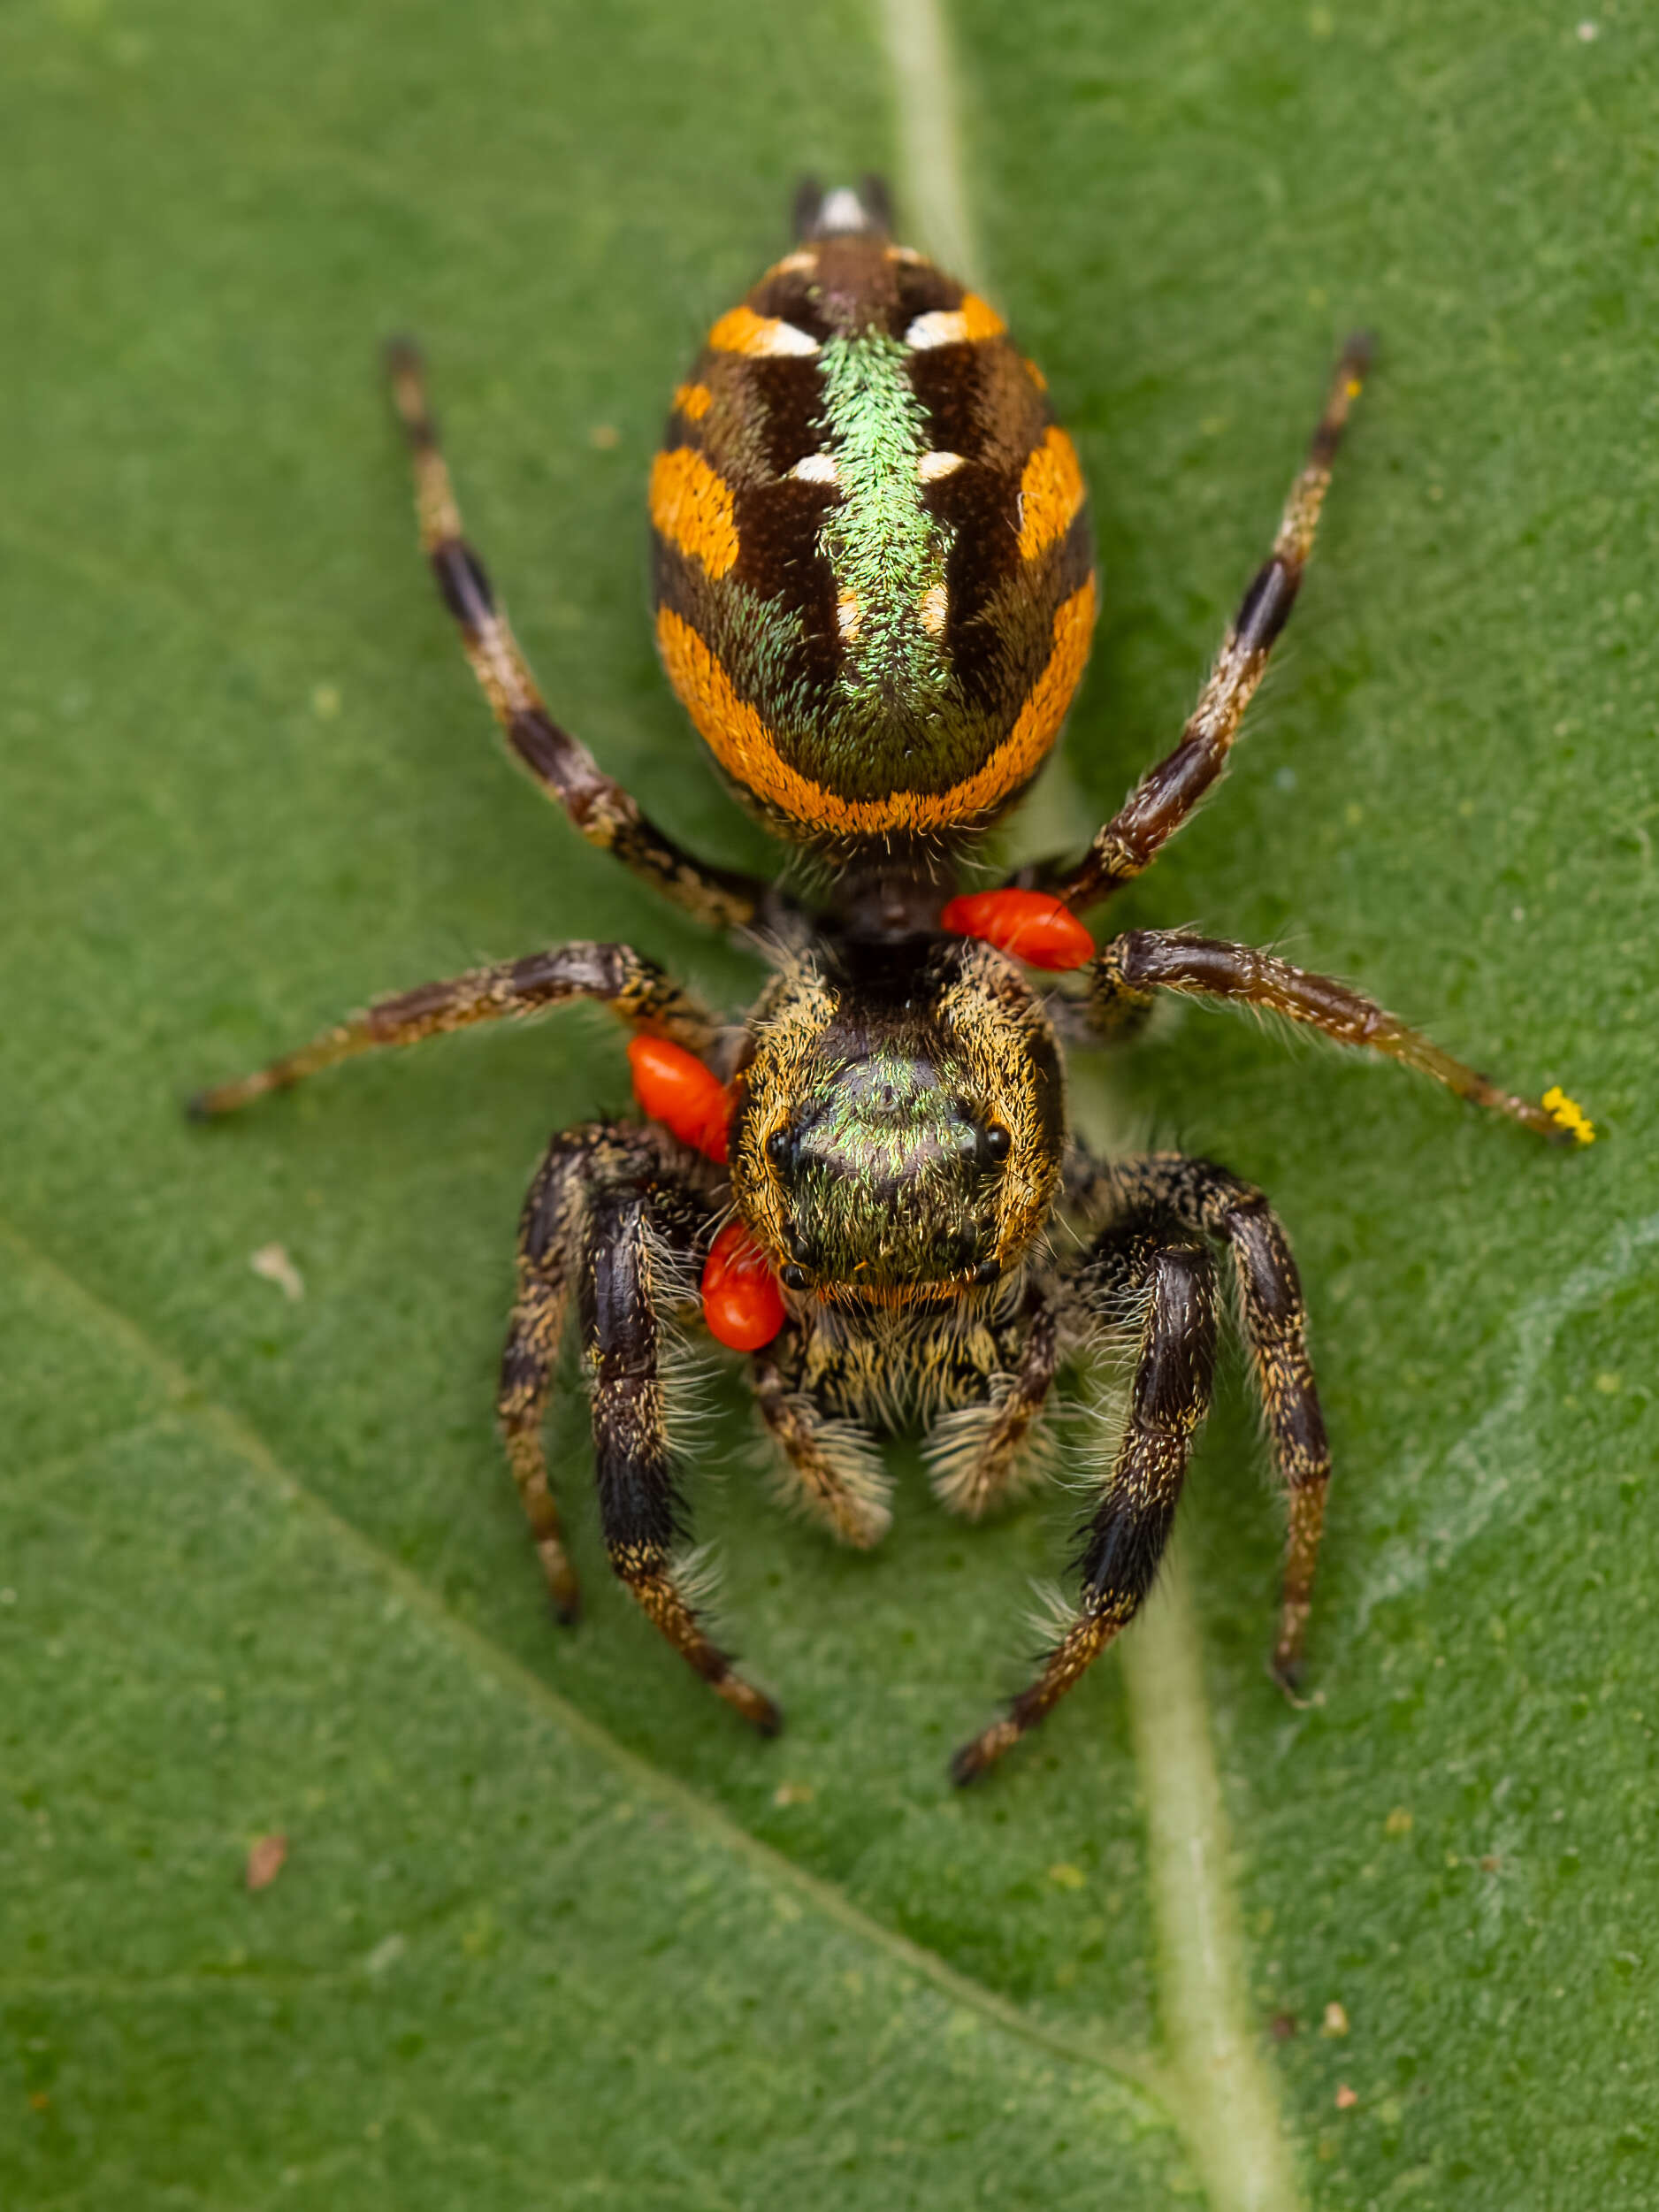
x=1354, y=387
x=691, y=506
x=693, y=401
x=1567, y=1115
x=849, y=614
x=934, y=607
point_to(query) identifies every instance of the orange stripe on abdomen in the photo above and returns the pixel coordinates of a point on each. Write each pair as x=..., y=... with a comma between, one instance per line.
x=1050, y=493
x=691, y=506
x=740, y=740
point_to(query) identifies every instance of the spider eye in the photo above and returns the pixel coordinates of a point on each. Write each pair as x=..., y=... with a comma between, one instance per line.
x=997, y=1144
x=779, y=1147
x=794, y=1278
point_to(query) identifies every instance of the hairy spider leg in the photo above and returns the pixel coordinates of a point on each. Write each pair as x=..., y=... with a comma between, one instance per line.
x=1126, y=972
x=832, y=1469
x=632, y=986
x=551, y=1230
x=566, y=770
x=549, y=1236
x=1171, y=1280
x=976, y=1458
x=1210, y=1201
x=1166, y=794
x=620, y=1293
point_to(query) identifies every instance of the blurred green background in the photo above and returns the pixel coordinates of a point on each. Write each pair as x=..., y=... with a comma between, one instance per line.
x=262, y=1567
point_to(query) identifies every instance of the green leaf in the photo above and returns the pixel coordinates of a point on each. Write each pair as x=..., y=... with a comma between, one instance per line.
x=550, y=1927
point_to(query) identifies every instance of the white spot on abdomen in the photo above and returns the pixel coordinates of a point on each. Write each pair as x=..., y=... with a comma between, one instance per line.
x=944, y=326
x=785, y=337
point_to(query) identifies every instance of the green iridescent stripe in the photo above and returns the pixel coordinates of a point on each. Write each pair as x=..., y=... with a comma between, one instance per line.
x=884, y=548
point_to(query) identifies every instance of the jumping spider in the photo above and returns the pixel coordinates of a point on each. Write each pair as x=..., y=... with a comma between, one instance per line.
x=874, y=589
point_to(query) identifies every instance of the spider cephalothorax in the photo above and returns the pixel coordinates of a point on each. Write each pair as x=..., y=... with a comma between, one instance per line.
x=901, y=1120
x=873, y=593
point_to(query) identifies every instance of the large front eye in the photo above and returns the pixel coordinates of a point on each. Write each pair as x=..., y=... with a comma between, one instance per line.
x=995, y=1145
x=780, y=1146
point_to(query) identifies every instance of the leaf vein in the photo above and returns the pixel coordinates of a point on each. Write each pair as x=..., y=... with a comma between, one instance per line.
x=1138, y=2073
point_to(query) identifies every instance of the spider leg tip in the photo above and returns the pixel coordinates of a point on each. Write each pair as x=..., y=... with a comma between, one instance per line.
x=753, y=1705
x=970, y=1762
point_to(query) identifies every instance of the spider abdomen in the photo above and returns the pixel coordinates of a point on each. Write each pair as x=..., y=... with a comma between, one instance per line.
x=874, y=577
